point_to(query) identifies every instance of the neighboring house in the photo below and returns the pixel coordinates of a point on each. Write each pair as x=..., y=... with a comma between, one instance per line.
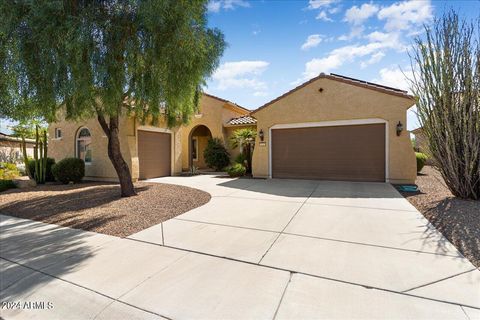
x=10, y=148
x=420, y=140
x=331, y=127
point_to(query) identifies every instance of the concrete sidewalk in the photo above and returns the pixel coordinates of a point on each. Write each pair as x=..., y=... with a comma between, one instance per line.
x=260, y=249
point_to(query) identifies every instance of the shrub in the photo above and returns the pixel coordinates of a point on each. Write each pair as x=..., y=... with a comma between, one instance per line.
x=6, y=184
x=241, y=158
x=69, y=170
x=237, y=170
x=421, y=159
x=49, y=176
x=216, y=155
x=8, y=171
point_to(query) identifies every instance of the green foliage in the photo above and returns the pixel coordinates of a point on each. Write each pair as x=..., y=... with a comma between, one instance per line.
x=216, y=155
x=8, y=171
x=446, y=81
x=78, y=53
x=27, y=129
x=236, y=170
x=48, y=174
x=6, y=184
x=241, y=158
x=421, y=160
x=69, y=170
x=246, y=139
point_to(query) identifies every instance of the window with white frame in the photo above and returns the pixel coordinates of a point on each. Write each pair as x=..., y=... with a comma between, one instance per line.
x=83, y=145
x=58, y=133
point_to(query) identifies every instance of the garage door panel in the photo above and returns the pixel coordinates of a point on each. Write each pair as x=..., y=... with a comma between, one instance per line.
x=154, y=154
x=353, y=153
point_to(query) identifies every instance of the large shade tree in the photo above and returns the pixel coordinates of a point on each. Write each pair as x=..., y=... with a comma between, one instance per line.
x=446, y=64
x=105, y=59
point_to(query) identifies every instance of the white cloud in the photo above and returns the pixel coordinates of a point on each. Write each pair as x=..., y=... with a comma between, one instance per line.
x=317, y=4
x=395, y=77
x=322, y=15
x=355, y=32
x=325, y=7
x=375, y=58
x=405, y=15
x=241, y=74
x=347, y=54
x=312, y=41
x=378, y=36
x=357, y=15
x=217, y=5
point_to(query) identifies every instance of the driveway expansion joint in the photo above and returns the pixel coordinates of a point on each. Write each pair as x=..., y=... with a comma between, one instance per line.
x=310, y=275
x=86, y=288
x=289, y=221
x=439, y=280
x=283, y=295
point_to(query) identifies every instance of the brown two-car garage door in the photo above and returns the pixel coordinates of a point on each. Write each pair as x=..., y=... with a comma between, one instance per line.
x=350, y=153
x=154, y=154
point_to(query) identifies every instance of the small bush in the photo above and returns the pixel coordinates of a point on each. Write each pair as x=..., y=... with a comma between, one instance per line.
x=49, y=176
x=216, y=155
x=237, y=170
x=6, y=184
x=69, y=170
x=241, y=158
x=8, y=171
x=421, y=160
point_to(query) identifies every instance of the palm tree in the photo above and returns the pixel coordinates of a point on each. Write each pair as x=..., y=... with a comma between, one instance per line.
x=245, y=138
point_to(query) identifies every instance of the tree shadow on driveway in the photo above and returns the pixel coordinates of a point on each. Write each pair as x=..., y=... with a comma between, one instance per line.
x=27, y=247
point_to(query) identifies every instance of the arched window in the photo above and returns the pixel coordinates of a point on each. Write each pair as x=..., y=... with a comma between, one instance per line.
x=84, y=149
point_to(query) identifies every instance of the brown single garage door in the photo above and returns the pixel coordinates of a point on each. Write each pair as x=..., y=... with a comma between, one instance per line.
x=154, y=154
x=350, y=153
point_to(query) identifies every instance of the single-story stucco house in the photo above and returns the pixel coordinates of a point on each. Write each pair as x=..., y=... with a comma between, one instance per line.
x=331, y=127
x=420, y=140
x=11, y=148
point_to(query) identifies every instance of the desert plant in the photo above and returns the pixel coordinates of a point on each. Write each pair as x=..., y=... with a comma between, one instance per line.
x=69, y=170
x=10, y=155
x=193, y=171
x=421, y=160
x=48, y=170
x=8, y=171
x=241, y=158
x=216, y=155
x=446, y=82
x=245, y=138
x=236, y=170
x=6, y=184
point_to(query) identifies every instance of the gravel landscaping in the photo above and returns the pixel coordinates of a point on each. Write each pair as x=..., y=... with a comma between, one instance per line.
x=457, y=219
x=98, y=207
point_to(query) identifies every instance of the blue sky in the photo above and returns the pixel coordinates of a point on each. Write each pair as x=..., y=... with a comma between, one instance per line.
x=273, y=46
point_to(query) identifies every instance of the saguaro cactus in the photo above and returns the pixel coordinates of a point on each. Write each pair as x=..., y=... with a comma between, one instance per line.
x=40, y=155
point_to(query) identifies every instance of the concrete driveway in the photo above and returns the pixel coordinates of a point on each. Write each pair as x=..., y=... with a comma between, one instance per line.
x=260, y=249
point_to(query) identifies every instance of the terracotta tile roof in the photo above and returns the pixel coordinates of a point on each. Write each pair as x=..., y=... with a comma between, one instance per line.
x=243, y=120
x=348, y=80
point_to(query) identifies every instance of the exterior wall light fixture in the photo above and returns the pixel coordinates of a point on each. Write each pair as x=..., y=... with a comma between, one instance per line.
x=399, y=128
x=261, y=135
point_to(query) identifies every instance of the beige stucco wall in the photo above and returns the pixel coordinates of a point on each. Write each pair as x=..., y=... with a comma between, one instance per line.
x=101, y=168
x=213, y=113
x=340, y=101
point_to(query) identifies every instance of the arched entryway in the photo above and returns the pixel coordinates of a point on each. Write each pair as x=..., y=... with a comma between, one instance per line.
x=198, y=140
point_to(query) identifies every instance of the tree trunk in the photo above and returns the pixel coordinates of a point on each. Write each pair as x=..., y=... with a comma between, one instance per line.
x=248, y=153
x=115, y=155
